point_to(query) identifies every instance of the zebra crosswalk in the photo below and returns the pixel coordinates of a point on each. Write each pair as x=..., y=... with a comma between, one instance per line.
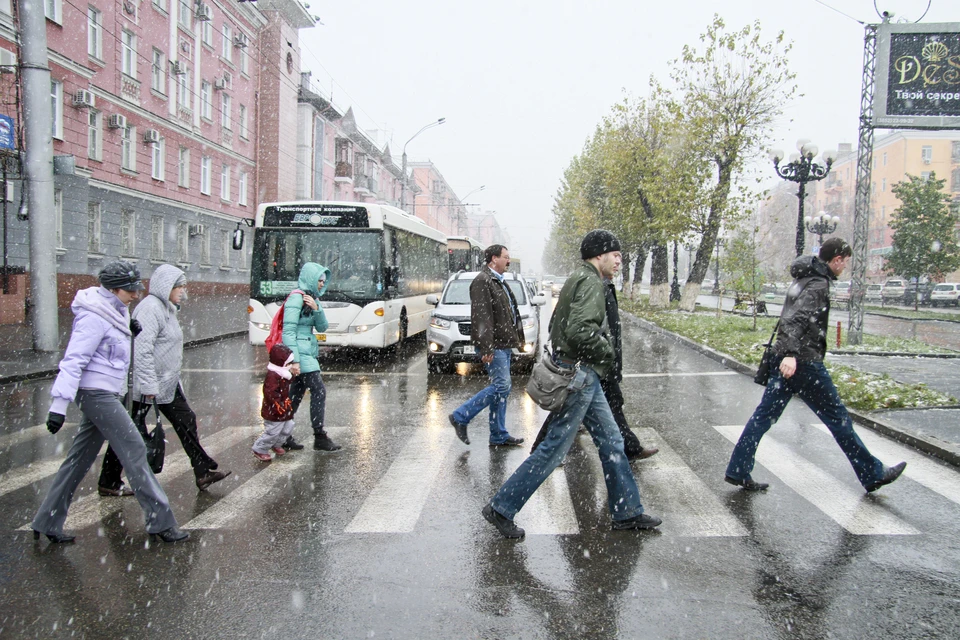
x=691, y=504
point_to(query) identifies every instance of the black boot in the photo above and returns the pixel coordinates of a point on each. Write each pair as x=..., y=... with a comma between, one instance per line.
x=323, y=442
x=292, y=445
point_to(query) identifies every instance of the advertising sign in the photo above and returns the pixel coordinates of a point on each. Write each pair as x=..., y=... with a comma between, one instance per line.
x=917, y=76
x=7, y=139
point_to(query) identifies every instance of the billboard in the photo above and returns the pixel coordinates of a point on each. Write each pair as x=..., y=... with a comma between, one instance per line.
x=917, y=76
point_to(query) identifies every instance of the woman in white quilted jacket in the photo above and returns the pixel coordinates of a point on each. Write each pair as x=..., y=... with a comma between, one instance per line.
x=157, y=358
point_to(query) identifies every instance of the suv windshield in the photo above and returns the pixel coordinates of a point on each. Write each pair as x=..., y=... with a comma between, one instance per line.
x=458, y=292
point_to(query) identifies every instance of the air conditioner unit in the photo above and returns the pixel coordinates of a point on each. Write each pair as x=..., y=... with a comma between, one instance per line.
x=220, y=84
x=83, y=99
x=240, y=40
x=204, y=13
x=8, y=60
x=178, y=68
x=196, y=229
x=118, y=121
x=151, y=136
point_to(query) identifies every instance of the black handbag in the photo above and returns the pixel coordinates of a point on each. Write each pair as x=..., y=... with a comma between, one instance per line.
x=766, y=361
x=154, y=440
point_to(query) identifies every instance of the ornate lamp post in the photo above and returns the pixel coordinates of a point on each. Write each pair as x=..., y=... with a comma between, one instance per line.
x=821, y=225
x=403, y=169
x=802, y=169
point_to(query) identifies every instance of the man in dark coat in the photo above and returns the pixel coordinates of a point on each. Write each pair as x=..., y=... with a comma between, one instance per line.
x=799, y=369
x=495, y=329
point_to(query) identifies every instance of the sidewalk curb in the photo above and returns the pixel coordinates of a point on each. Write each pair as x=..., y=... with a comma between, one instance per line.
x=945, y=451
x=52, y=373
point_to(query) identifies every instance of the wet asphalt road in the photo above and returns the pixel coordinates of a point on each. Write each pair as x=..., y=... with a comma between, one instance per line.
x=385, y=538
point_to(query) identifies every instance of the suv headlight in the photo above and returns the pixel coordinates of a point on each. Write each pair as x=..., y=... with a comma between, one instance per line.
x=529, y=323
x=440, y=323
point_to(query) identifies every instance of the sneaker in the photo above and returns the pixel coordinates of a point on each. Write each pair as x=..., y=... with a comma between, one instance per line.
x=279, y=450
x=292, y=445
x=121, y=491
x=642, y=521
x=505, y=526
x=262, y=457
x=324, y=443
x=889, y=475
x=210, y=477
x=461, y=430
x=645, y=452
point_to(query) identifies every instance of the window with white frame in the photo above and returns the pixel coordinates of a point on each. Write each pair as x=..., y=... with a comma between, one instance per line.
x=53, y=10
x=183, y=89
x=925, y=175
x=94, y=33
x=128, y=148
x=225, y=120
x=226, y=52
x=242, y=119
x=242, y=189
x=161, y=5
x=225, y=248
x=156, y=238
x=185, y=13
x=158, y=72
x=206, y=109
x=884, y=158
x=244, y=61
x=158, y=158
x=883, y=185
x=58, y=215
x=206, y=32
x=225, y=182
x=183, y=167
x=93, y=227
x=128, y=57
x=94, y=134
x=183, y=242
x=926, y=154
x=128, y=232
x=206, y=166
x=56, y=108
x=205, y=247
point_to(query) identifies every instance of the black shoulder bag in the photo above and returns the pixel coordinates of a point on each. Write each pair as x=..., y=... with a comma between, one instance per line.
x=763, y=371
x=155, y=440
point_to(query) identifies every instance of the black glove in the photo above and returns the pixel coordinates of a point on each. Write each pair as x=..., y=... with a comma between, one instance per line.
x=54, y=422
x=135, y=327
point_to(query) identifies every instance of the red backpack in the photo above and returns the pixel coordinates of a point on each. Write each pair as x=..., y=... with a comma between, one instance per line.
x=276, y=325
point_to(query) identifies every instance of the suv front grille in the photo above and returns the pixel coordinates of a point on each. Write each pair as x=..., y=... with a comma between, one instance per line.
x=464, y=328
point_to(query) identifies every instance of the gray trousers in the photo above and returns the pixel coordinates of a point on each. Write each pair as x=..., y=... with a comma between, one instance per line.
x=104, y=417
x=274, y=435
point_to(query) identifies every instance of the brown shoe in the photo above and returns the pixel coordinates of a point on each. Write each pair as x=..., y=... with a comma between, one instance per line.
x=209, y=478
x=645, y=453
x=120, y=492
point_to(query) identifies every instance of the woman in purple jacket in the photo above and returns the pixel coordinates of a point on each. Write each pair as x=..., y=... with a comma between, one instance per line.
x=93, y=373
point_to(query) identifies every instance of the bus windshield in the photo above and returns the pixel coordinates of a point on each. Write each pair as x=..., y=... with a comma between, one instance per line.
x=353, y=257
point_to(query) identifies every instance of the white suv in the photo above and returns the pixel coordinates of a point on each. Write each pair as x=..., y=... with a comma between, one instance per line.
x=944, y=294
x=448, y=334
x=893, y=291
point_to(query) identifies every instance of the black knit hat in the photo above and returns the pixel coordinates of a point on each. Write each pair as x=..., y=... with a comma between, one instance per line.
x=121, y=275
x=598, y=242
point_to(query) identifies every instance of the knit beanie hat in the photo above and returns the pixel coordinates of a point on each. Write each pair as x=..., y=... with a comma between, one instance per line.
x=121, y=275
x=598, y=242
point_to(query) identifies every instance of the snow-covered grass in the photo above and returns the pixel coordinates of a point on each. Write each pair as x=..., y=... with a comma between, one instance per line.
x=734, y=335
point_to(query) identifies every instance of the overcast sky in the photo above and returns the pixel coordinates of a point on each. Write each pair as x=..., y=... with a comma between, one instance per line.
x=523, y=84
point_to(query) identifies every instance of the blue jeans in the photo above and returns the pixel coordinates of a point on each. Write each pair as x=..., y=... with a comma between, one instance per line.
x=495, y=396
x=586, y=403
x=813, y=384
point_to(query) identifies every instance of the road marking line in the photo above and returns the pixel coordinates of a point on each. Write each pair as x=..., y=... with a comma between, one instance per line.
x=24, y=476
x=395, y=503
x=368, y=374
x=936, y=476
x=680, y=375
x=31, y=433
x=687, y=505
x=848, y=507
x=91, y=509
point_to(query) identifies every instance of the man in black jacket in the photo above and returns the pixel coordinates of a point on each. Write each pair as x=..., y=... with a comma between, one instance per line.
x=798, y=369
x=495, y=329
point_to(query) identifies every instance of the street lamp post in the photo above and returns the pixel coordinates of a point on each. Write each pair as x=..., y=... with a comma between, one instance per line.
x=403, y=168
x=802, y=169
x=463, y=208
x=821, y=224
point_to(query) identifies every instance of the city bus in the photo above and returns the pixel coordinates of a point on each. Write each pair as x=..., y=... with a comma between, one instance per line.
x=383, y=264
x=466, y=254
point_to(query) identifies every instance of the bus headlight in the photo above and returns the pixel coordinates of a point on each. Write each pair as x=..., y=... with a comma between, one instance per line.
x=360, y=328
x=262, y=326
x=440, y=323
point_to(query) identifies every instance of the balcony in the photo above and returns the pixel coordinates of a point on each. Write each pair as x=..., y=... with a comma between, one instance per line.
x=343, y=172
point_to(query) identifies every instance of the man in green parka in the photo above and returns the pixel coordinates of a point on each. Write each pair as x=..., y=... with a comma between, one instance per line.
x=301, y=315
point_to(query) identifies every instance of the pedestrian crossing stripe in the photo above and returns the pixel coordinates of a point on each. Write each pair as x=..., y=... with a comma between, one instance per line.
x=936, y=476
x=847, y=506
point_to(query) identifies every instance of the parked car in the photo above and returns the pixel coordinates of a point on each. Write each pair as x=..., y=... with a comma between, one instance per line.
x=923, y=289
x=893, y=291
x=840, y=292
x=557, y=285
x=945, y=294
x=874, y=293
x=448, y=334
